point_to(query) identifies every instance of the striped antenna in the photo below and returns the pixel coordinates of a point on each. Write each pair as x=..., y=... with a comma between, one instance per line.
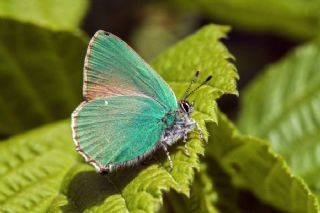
x=195, y=78
x=203, y=83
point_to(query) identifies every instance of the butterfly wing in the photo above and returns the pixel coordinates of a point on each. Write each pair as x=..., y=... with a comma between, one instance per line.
x=118, y=129
x=112, y=68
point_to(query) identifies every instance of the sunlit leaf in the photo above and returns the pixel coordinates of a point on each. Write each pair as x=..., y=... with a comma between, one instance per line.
x=202, y=199
x=32, y=167
x=77, y=187
x=206, y=54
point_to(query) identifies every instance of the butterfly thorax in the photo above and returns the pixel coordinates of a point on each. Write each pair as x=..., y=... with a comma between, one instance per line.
x=181, y=125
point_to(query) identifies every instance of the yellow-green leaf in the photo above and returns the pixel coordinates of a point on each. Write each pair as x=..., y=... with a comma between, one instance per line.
x=32, y=167
x=138, y=189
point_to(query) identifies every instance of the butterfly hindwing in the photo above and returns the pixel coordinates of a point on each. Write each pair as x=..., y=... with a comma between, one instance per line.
x=118, y=129
x=112, y=68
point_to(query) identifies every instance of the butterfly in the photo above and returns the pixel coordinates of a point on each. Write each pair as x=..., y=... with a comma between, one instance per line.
x=128, y=111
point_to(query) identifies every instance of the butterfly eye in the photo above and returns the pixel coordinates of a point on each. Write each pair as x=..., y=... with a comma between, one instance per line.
x=185, y=106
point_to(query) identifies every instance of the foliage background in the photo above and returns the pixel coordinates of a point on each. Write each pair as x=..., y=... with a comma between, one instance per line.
x=276, y=52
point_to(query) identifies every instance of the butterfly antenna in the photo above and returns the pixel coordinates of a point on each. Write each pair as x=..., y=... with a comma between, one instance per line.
x=203, y=83
x=195, y=78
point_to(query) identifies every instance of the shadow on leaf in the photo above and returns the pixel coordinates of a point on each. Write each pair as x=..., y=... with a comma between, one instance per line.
x=231, y=198
x=86, y=189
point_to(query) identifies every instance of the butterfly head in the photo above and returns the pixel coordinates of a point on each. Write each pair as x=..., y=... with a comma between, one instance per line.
x=184, y=105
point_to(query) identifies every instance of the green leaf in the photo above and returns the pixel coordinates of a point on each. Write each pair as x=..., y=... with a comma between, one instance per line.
x=253, y=165
x=231, y=198
x=207, y=54
x=32, y=167
x=137, y=189
x=288, y=114
x=41, y=75
x=202, y=196
x=297, y=19
x=202, y=199
x=41, y=68
x=52, y=14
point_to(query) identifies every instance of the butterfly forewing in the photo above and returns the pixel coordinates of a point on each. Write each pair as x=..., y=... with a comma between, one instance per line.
x=112, y=68
x=118, y=129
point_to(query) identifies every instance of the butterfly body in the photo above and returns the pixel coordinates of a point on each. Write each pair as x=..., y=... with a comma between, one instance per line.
x=181, y=127
x=128, y=111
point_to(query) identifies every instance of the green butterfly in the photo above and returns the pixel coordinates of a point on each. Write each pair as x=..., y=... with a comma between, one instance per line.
x=129, y=111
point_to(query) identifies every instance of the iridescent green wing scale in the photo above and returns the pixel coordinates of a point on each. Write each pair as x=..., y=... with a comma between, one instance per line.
x=112, y=68
x=113, y=131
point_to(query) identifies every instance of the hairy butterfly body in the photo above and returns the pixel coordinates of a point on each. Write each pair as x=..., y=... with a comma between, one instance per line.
x=129, y=111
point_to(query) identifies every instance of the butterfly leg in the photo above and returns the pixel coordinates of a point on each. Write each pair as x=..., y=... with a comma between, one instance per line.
x=200, y=132
x=185, y=137
x=168, y=155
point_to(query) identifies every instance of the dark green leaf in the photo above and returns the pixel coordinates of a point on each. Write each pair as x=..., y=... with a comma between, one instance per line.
x=253, y=165
x=283, y=104
x=41, y=75
x=297, y=19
